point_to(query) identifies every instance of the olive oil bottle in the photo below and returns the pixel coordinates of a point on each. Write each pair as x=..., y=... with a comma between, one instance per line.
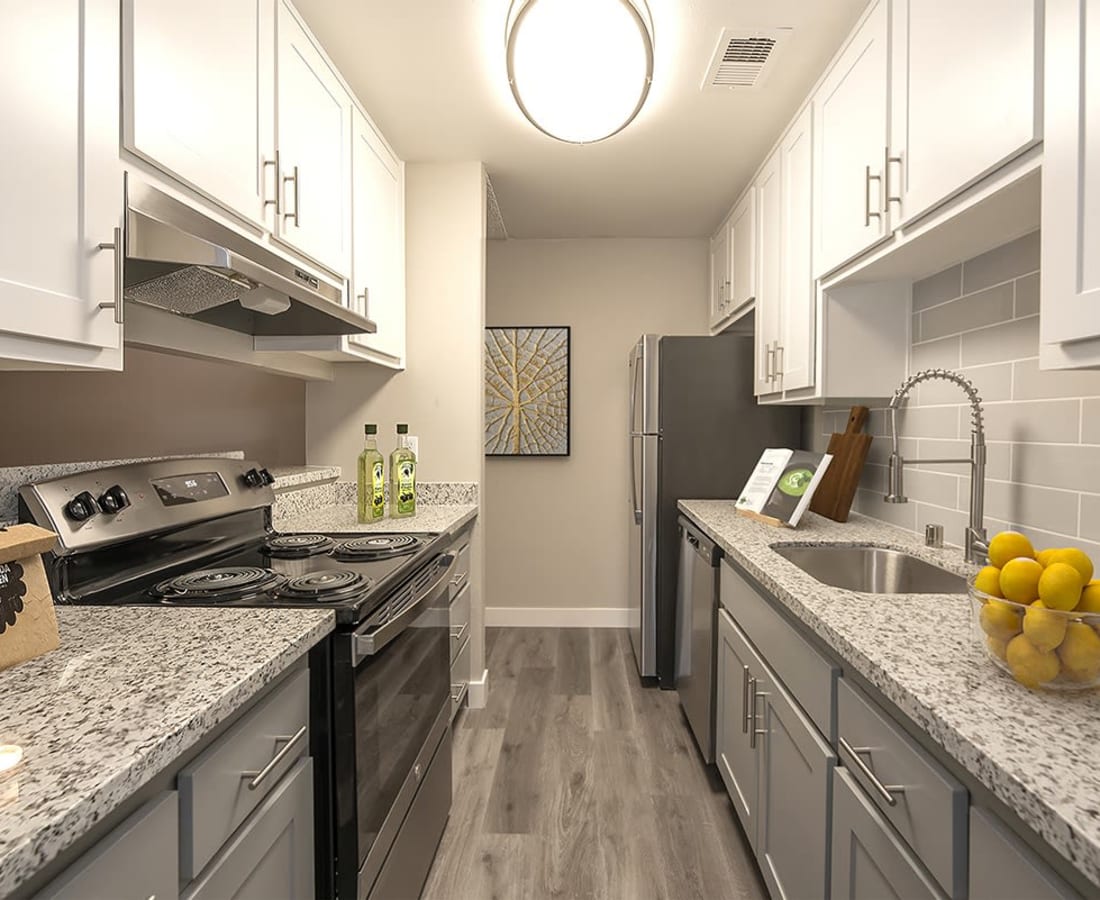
x=402, y=477
x=372, y=483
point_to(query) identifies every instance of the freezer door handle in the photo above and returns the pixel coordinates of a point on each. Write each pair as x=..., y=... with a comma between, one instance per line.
x=634, y=480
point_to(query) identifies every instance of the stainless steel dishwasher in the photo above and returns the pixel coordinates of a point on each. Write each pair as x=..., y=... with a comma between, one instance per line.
x=697, y=611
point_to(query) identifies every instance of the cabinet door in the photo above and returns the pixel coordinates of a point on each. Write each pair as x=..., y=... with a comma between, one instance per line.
x=796, y=776
x=965, y=79
x=742, y=242
x=1070, y=288
x=136, y=861
x=769, y=259
x=850, y=134
x=1003, y=868
x=209, y=126
x=720, y=282
x=869, y=861
x=60, y=182
x=737, y=757
x=313, y=128
x=798, y=303
x=378, y=239
x=271, y=854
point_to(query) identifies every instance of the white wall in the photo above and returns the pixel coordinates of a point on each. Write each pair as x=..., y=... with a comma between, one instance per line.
x=440, y=394
x=557, y=528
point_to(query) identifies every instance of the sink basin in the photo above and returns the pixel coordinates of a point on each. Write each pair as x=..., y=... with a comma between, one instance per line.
x=872, y=570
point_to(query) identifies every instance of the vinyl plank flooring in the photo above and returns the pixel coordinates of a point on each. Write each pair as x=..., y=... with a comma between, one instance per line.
x=577, y=781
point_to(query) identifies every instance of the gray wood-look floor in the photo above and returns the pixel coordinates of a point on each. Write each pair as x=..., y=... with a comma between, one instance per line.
x=575, y=781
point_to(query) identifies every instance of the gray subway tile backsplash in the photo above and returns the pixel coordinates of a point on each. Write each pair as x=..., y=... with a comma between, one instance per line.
x=1042, y=427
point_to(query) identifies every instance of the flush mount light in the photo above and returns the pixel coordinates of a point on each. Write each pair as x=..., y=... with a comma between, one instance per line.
x=580, y=70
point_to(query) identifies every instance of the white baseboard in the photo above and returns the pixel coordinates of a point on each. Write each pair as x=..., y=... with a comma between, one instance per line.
x=478, y=691
x=553, y=617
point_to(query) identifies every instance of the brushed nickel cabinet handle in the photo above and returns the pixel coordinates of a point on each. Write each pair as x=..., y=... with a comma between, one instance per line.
x=868, y=214
x=779, y=354
x=885, y=791
x=258, y=778
x=264, y=163
x=745, y=699
x=458, y=635
x=120, y=260
x=754, y=732
x=888, y=160
x=297, y=185
x=365, y=298
x=769, y=365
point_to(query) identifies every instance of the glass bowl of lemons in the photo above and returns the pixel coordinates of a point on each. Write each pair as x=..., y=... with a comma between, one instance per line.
x=1037, y=613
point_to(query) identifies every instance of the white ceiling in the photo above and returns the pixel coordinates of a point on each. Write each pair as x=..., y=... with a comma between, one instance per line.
x=432, y=75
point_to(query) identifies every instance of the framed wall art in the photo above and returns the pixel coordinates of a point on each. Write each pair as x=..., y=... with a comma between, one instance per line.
x=527, y=391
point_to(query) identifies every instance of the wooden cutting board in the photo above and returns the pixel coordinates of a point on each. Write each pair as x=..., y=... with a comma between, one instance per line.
x=833, y=497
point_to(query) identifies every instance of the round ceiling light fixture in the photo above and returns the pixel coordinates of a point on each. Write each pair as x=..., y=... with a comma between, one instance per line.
x=580, y=70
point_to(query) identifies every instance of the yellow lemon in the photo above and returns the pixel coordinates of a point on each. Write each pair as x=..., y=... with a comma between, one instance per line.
x=1060, y=586
x=1080, y=653
x=1020, y=579
x=988, y=581
x=1044, y=557
x=1008, y=545
x=1079, y=559
x=996, y=647
x=1044, y=628
x=1031, y=666
x=999, y=620
x=1090, y=598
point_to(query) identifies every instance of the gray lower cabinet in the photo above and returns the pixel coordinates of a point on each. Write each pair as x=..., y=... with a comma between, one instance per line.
x=136, y=861
x=1003, y=868
x=776, y=767
x=869, y=860
x=271, y=855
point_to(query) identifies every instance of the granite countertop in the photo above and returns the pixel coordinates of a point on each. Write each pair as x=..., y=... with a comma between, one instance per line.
x=297, y=477
x=1036, y=751
x=344, y=517
x=128, y=692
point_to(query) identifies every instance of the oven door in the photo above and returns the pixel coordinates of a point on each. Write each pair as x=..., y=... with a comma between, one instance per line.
x=391, y=699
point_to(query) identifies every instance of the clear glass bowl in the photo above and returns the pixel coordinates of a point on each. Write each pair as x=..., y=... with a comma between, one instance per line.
x=996, y=622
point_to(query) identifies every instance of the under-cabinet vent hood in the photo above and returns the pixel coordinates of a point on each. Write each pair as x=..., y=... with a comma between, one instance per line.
x=744, y=57
x=181, y=260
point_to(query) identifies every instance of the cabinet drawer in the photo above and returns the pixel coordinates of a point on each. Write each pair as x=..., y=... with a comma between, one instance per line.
x=461, y=575
x=220, y=788
x=460, y=678
x=272, y=854
x=805, y=673
x=460, y=621
x=1002, y=867
x=929, y=807
x=137, y=860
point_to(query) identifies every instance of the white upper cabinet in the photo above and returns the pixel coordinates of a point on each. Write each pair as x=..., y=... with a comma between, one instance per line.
x=378, y=240
x=769, y=233
x=965, y=84
x=720, y=279
x=60, y=182
x=1070, y=289
x=850, y=136
x=742, y=249
x=198, y=96
x=313, y=130
x=798, y=332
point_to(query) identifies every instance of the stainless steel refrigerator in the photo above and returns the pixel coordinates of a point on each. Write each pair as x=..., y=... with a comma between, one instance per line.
x=696, y=431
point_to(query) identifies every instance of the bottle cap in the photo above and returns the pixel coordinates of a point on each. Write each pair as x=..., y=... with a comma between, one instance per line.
x=402, y=429
x=370, y=429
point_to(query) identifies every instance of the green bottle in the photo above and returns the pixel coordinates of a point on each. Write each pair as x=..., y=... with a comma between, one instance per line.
x=372, y=497
x=402, y=477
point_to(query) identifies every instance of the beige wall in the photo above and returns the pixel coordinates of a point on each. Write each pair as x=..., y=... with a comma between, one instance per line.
x=440, y=395
x=160, y=405
x=557, y=528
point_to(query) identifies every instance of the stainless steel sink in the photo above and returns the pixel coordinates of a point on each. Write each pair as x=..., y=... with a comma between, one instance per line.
x=872, y=570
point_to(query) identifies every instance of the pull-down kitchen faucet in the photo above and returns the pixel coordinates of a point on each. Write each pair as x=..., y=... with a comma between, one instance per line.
x=976, y=542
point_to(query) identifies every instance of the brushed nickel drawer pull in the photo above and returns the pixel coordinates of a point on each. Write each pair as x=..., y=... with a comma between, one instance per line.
x=745, y=699
x=868, y=214
x=458, y=635
x=258, y=778
x=754, y=732
x=297, y=184
x=277, y=202
x=120, y=260
x=885, y=791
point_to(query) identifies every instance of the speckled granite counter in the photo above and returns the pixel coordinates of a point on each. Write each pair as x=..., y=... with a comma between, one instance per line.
x=128, y=692
x=343, y=517
x=1035, y=751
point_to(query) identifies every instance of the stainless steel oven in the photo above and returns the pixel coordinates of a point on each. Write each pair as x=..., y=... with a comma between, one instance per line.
x=391, y=739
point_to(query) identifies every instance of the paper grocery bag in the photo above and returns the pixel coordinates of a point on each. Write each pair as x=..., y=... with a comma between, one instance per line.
x=28, y=625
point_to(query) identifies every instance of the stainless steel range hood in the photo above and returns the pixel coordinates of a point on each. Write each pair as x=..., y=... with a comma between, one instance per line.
x=183, y=261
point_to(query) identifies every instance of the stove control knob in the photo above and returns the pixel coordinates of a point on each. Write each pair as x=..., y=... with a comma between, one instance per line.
x=81, y=507
x=267, y=476
x=253, y=478
x=114, y=500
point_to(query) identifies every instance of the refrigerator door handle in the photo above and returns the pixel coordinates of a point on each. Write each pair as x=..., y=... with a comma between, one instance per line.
x=634, y=482
x=636, y=365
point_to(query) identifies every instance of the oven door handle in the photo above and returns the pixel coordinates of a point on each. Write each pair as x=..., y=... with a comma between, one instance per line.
x=370, y=639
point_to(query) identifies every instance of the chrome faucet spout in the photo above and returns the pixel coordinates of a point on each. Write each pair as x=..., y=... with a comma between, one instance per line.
x=976, y=544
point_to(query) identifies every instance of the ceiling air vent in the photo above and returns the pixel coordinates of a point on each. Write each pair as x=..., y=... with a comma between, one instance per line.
x=744, y=57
